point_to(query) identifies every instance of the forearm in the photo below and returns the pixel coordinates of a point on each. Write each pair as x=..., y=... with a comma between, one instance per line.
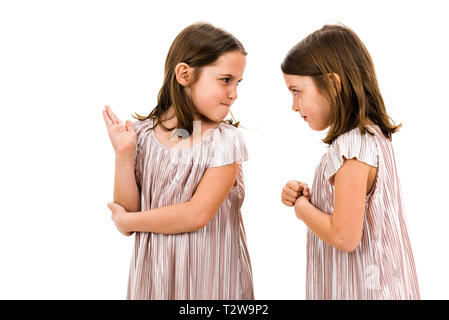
x=126, y=192
x=177, y=218
x=320, y=223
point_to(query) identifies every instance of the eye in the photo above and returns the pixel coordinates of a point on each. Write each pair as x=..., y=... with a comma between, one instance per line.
x=295, y=92
x=225, y=80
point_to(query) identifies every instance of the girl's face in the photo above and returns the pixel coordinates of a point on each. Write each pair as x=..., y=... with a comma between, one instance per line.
x=309, y=102
x=216, y=88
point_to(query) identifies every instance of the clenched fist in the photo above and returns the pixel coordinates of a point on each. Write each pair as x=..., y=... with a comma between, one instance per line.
x=292, y=191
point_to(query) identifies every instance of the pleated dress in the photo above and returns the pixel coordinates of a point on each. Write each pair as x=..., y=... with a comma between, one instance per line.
x=382, y=266
x=210, y=263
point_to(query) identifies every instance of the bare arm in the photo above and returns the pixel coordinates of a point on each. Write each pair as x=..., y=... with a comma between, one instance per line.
x=123, y=138
x=344, y=228
x=188, y=216
x=126, y=192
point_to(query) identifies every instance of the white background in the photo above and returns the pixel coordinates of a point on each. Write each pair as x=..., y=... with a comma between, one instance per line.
x=62, y=61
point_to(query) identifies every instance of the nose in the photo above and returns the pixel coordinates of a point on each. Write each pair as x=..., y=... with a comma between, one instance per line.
x=232, y=94
x=295, y=107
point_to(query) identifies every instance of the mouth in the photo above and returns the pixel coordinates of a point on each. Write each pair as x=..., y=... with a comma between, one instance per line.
x=305, y=117
x=227, y=105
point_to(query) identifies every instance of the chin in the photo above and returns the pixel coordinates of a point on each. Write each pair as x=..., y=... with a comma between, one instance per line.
x=219, y=117
x=321, y=128
x=215, y=118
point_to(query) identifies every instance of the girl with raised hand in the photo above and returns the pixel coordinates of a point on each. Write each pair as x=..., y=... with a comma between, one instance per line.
x=178, y=179
x=357, y=241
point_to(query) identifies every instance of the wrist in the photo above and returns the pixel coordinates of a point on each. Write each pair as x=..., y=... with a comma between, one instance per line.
x=128, y=221
x=300, y=204
x=124, y=158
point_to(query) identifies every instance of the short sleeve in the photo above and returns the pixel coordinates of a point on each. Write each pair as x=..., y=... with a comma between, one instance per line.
x=228, y=146
x=139, y=127
x=350, y=145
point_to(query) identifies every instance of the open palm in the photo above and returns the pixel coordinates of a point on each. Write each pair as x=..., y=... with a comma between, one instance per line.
x=123, y=136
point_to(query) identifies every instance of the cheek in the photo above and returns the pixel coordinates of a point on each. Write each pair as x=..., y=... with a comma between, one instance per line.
x=211, y=94
x=320, y=105
x=325, y=107
x=307, y=105
x=219, y=92
x=200, y=95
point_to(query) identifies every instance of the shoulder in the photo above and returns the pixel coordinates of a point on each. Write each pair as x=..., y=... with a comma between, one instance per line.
x=351, y=145
x=142, y=128
x=355, y=139
x=227, y=146
x=226, y=133
x=140, y=125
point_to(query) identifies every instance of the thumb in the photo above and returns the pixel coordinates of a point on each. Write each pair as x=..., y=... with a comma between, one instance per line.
x=129, y=126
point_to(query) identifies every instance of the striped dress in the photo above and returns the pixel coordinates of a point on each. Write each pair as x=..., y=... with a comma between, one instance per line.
x=382, y=266
x=211, y=263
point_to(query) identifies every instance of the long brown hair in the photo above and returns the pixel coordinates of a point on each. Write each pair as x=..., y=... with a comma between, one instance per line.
x=198, y=45
x=337, y=49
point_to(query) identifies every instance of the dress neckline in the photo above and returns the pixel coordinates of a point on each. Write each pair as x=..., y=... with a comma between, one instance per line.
x=189, y=148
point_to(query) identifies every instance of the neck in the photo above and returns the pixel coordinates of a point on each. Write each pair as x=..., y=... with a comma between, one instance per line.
x=204, y=120
x=169, y=118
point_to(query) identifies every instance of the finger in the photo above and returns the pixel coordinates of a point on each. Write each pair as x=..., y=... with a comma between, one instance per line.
x=107, y=120
x=302, y=185
x=108, y=113
x=294, y=185
x=287, y=190
x=306, y=192
x=288, y=198
x=287, y=203
x=114, y=118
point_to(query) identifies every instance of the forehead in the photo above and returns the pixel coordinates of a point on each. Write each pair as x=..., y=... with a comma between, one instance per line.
x=229, y=63
x=298, y=81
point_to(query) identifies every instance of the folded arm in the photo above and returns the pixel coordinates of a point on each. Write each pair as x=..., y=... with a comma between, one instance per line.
x=344, y=228
x=192, y=215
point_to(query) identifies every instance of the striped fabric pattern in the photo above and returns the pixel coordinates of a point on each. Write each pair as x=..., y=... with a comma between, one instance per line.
x=382, y=266
x=211, y=263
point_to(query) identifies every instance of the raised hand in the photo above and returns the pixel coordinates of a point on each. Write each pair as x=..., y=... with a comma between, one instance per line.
x=123, y=136
x=292, y=191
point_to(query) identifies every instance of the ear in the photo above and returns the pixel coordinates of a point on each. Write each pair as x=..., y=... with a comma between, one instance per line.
x=183, y=73
x=336, y=80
